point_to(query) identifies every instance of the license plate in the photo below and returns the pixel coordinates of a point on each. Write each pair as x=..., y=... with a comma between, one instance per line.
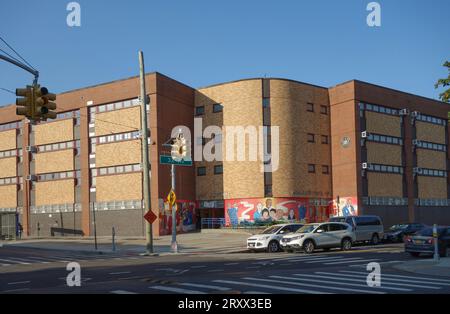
x=418, y=242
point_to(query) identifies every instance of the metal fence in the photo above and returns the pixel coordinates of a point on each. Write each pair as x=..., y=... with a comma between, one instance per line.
x=213, y=223
x=7, y=226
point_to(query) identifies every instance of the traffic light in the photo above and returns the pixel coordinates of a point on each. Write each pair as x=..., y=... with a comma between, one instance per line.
x=25, y=105
x=44, y=104
x=179, y=149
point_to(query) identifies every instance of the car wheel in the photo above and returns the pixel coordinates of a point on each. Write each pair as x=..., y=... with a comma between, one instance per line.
x=273, y=247
x=346, y=245
x=375, y=239
x=414, y=254
x=308, y=246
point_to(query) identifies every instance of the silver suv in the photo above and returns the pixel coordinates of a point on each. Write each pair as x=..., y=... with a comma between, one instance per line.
x=325, y=235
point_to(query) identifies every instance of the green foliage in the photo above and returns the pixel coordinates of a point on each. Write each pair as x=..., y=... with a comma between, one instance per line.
x=445, y=96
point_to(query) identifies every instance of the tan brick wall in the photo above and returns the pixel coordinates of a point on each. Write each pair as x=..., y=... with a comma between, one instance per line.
x=289, y=112
x=240, y=179
x=120, y=153
x=431, y=159
x=383, y=184
x=383, y=124
x=209, y=187
x=378, y=153
x=8, y=140
x=58, y=161
x=430, y=132
x=119, y=187
x=8, y=167
x=54, y=132
x=432, y=187
x=118, y=121
x=55, y=192
x=8, y=196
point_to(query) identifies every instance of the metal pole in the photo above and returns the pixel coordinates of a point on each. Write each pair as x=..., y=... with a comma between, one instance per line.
x=174, y=215
x=435, y=238
x=113, y=239
x=145, y=158
x=95, y=226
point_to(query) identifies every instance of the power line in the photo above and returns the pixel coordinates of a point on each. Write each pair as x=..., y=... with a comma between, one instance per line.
x=15, y=59
x=7, y=90
x=9, y=46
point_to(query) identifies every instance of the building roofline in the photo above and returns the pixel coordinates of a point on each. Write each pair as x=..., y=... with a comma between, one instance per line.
x=260, y=78
x=391, y=89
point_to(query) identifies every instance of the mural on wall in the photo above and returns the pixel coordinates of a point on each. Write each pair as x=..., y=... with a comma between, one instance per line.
x=348, y=206
x=186, y=217
x=267, y=210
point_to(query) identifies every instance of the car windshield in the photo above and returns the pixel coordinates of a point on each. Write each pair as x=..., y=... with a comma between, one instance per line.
x=271, y=230
x=398, y=227
x=306, y=229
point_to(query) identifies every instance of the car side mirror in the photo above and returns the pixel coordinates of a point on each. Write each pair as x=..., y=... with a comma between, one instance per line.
x=319, y=231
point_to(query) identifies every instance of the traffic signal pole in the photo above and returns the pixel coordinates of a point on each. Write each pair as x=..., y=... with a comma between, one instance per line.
x=23, y=66
x=174, y=215
x=145, y=159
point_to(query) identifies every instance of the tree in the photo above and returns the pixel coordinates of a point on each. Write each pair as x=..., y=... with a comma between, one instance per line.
x=445, y=96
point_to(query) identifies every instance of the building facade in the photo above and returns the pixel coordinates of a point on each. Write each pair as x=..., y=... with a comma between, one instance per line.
x=352, y=149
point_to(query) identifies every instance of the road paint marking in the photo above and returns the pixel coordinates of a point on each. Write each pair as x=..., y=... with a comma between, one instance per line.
x=122, y=292
x=314, y=286
x=40, y=259
x=201, y=266
x=195, y=285
x=215, y=270
x=327, y=259
x=10, y=260
x=19, y=282
x=352, y=260
x=314, y=279
x=381, y=263
x=359, y=278
x=272, y=287
x=177, y=290
x=255, y=292
x=120, y=273
x=444, y=281
x=15, y=290
x=230, y=264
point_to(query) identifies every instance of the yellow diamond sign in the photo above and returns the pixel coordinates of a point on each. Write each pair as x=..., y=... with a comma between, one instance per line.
x=171, y=198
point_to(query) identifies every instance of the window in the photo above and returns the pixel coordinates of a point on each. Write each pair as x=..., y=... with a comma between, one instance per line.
x=310, y=107
x=324, y=139
x=200, y=110
x=325, y=170
x=218, y=169
x=312, y=168
x=311, y=138
x=201, y=171
x=323, y=109
x=217, y=108
x=268, y=190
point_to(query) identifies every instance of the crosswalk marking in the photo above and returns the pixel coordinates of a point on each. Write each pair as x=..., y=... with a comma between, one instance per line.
x=281, y=288
x=196, y=285
x=440, y=281
x=10, y=260
x=122, y=292
x=359, y=278
x=176, y=290
x=352, y=260
x=314, y=286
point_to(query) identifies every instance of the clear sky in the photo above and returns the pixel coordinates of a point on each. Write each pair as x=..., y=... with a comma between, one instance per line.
x=202, y=42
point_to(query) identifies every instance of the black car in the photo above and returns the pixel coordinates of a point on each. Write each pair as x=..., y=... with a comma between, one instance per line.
x=423, y=242
x=398, y=233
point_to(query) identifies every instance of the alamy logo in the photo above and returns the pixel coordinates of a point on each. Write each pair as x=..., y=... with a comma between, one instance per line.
x=374, y=17
x=374, y=277
x=73, y=279
x=74, y=17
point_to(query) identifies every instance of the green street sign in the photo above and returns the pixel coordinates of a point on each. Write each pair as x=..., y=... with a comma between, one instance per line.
x=167, y=160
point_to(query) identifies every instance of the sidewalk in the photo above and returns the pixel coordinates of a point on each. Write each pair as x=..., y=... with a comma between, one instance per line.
x=427, y=267
x=192, y=243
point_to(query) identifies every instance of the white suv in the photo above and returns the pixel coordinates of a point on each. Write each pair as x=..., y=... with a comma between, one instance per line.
x=269, y=239
x=319, y=236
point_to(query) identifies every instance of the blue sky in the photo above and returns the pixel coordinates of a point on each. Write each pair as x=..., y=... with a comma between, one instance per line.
x=202, y=42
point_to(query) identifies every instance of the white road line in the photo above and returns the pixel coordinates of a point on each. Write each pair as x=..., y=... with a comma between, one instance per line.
x=314, y=279
x=304, y=258
x=14, y=261
x=196, y=285
x=255, y=292
x=15, y=290
x=352, y=260
x=272, y=287
x=39, y=260
x=328, y=259
x=314, y=286
x=177, y=290
x=122, y=292
x=201, y=266
x=120, y=273
x=423, y=281
x=359, y=278
x=381, y=263
x=18, y=283
x=406, y=277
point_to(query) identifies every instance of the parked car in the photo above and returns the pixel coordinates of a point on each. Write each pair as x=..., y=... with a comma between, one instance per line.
x=319, y=236
x=366, y=228
x=423, y=242
x=269, y=238
x=398, y=233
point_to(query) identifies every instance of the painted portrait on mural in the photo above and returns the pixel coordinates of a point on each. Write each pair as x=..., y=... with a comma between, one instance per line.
x=185, y=218
x=348, y=206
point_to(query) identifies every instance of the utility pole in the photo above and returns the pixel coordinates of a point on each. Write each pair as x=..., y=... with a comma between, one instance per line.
x=174, y=215
x=145, y=161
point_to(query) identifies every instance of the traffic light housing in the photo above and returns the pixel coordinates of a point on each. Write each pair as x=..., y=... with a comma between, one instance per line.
x=44, y=104
x=179, y=149
x=25, y=104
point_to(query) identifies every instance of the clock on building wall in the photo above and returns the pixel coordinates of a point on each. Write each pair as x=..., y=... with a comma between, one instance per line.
x=345, y=142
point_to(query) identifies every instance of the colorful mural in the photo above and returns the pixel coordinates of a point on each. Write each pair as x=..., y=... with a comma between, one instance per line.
x=348, y=206
x=267, y=210
x=186, y=217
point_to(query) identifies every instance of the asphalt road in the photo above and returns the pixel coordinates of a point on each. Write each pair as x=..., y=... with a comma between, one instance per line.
x=44, y=271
